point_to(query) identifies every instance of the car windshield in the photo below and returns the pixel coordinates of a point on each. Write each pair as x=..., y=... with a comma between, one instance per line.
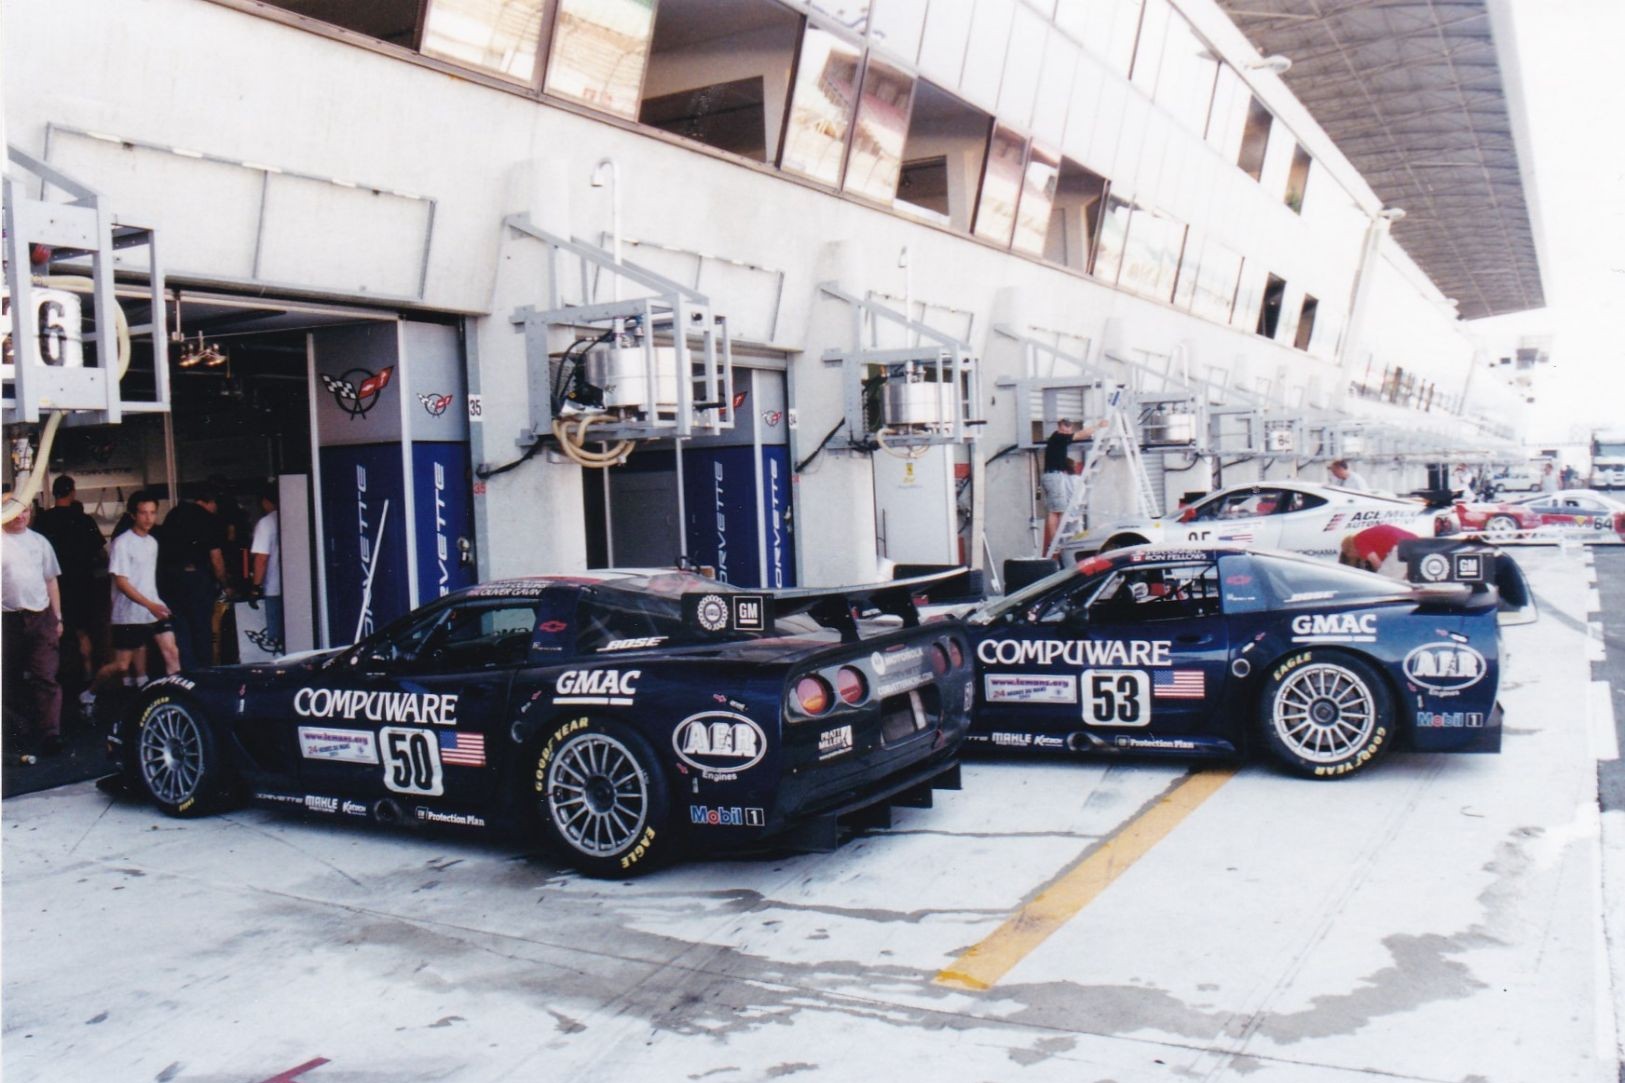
x=1011, y=603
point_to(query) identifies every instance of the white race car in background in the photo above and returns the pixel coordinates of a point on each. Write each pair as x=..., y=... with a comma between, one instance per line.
x=1300, y=517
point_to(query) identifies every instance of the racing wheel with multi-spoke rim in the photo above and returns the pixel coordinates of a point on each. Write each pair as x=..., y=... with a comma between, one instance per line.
x=1326, y=714
x=603, y=798
x=1499, y=526
x=176, y=759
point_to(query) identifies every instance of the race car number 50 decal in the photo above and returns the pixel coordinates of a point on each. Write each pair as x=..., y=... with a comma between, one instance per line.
x=411, y=760
x=1116, y=697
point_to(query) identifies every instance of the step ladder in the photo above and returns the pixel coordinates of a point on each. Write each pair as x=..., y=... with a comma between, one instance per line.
x=1121, y=432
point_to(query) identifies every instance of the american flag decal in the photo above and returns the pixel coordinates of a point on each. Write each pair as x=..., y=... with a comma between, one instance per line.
x=1177, y=684
x=462, y=749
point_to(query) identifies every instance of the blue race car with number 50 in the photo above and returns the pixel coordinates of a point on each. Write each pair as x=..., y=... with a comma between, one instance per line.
x=1213, y=651
x=621, y=718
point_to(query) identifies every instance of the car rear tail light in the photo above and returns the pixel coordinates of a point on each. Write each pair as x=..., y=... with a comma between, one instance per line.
x=850, y=685
x=939, y=659
x=813, y=695
x=955, y=655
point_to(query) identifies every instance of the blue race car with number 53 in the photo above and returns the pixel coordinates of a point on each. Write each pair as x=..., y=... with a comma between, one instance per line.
x=1212, y=651
x=622, y=718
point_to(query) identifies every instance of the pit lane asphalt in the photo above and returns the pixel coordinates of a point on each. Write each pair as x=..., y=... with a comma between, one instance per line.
x=1439, y=918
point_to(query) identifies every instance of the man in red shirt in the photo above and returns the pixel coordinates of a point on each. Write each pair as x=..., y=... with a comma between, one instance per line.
x=1371, y=548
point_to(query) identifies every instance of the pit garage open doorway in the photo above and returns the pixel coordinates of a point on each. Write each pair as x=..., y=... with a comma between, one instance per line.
x=720, y=502
x=252, y=382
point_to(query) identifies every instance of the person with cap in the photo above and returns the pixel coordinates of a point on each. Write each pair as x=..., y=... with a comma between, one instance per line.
x=82, y=552
x=32, y=626
x=192, y=574
x=1057, y=477
x=1344, y=478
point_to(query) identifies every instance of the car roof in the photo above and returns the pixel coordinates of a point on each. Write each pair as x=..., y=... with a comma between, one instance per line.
x=1314, y=487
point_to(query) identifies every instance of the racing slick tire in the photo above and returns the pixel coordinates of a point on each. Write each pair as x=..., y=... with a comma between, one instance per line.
x=1326, y=714
x=1500, y=526
x=175, y=758
x=603, y=803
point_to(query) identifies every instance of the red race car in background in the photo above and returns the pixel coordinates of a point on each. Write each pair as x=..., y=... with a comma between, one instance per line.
x=1568, y=511
x=1495, y=518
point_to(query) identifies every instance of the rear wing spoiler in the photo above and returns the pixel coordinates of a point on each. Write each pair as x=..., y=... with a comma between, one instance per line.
x=836, y=608
x=1456, y=573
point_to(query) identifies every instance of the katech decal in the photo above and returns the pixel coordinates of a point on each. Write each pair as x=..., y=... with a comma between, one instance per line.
x=719, y=744
x=1029, y=688
x=606, y=687
x=726, y=817
x=1334, y=628
x=1074, y=652
x=832, y=743
x=353, y=808
x=1445, y=668
x=1048, y=742
x=342, y=746
x=436, y=708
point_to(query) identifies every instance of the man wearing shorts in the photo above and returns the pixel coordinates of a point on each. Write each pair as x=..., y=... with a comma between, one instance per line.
x=1057, y=478
x=139, y=615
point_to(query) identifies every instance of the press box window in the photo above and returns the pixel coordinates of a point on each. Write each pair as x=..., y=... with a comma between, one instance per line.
x=1297, y=181
x=499, y=36
x=721, y=82
x=600, y=51
x=1306, y=323
x=1255, y=139
x=394, y=21
x=821, y=105
x=943, y=154
x=1269, y=317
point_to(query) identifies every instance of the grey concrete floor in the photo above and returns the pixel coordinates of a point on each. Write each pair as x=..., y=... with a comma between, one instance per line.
x=1439, y=918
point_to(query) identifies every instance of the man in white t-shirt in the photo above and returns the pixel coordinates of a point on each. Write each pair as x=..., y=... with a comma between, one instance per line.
x=139, y=616
x=267, y=552
x=33, y=624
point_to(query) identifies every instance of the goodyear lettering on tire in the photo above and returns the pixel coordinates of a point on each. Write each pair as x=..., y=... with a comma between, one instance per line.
x=573, y=726
x=1291, y=664
x=1378, y=736
x=635, y=855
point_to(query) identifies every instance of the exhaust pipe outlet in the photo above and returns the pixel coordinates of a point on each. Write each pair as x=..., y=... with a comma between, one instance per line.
x=1079, y=742
x=388, y=811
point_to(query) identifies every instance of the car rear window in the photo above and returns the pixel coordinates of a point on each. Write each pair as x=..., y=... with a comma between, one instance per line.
x=1304, y=581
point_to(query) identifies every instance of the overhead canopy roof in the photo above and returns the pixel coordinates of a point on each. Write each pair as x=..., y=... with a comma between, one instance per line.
x=1411, y=92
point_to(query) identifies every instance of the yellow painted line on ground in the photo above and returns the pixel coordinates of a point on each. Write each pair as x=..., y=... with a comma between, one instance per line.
x=983, y=964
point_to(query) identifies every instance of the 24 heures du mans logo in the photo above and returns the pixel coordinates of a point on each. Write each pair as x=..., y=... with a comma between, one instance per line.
x=357, y=390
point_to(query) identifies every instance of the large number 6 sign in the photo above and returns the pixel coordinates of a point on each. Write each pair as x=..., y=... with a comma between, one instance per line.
x=1116, y=697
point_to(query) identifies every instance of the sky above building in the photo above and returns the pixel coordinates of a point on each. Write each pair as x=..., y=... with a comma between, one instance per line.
x=1569, y=59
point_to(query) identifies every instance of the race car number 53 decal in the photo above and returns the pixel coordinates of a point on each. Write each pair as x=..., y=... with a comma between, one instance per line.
x=411, y=760
x=1116, y=697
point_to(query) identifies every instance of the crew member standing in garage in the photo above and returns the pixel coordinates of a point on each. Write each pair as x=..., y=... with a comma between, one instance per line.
x=192, y=572
x=1057, y=479
x=1344, y=478
x=267, y=553
x=1376, y=548
x=33, y=625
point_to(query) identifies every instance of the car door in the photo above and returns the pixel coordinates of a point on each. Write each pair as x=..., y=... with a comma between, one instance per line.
x=1302, y=518
x=422, y=711
x=1241, y=517
x=1141, y=651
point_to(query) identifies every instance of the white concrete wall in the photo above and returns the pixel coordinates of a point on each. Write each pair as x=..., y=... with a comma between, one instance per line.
x=201, y=76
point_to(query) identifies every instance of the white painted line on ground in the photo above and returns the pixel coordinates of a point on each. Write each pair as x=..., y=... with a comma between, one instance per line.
x=1594, y=652
x=1611, y=983
x=1600, y=712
